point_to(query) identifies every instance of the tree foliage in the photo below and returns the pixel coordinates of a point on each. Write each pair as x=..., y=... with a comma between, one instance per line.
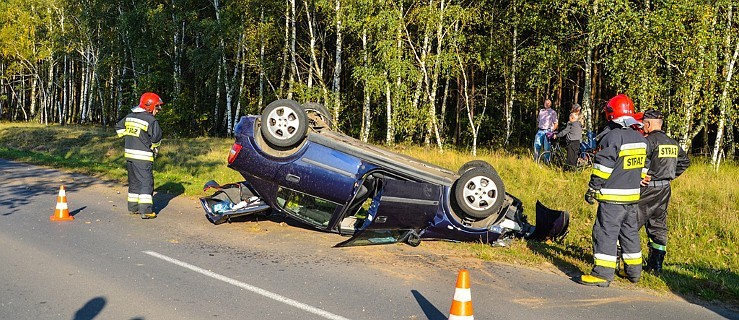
x=443, y=72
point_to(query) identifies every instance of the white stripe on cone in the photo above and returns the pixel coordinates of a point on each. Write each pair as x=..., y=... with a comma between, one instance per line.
x=463, y=295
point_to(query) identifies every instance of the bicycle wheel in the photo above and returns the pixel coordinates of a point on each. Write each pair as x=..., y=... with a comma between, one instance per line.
x=550, y=159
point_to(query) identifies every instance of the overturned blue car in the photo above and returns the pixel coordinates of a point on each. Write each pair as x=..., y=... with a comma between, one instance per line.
x=295, y=164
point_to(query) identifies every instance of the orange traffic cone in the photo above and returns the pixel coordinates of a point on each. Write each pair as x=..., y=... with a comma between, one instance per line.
x=62, y=210
x=462, y=303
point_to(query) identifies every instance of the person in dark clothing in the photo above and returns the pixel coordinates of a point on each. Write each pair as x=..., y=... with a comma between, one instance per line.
x=667, y=162
x=143, y=135
x=573, y=133
x=617, y=172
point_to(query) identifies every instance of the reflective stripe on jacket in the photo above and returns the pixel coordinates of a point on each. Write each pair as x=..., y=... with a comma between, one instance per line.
x=142, y=134
x=619, y=166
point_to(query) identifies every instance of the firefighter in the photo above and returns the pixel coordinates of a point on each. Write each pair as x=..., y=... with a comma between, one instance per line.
x=142, y=139
x=667, y=162
x=618, y=170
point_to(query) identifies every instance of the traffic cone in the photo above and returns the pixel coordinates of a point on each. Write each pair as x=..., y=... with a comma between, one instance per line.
x=62, y=210
x=462, y=304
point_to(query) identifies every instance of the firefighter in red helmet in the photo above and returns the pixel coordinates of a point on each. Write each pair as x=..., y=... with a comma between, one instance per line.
x=143, y=135
x=618, y=170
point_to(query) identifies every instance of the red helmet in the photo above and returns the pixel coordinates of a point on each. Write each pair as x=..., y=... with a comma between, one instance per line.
x=149, y=101
x=619, y=106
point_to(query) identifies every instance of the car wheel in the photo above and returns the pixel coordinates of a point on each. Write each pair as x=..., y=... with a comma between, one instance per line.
x=320, y=111
x=476, y=164
x=284, y=123
x=479, y=192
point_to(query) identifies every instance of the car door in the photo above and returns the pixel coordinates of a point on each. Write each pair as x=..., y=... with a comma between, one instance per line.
x=322, y=172
x=398, y=208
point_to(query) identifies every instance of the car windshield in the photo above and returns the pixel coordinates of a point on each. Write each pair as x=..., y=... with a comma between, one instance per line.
x=311, y=209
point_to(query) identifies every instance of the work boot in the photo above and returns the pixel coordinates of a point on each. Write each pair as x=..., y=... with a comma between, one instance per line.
x=593, y=281
x=654, y=263
x=148, y=215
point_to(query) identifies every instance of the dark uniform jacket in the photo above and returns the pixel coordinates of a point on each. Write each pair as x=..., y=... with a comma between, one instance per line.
x=619, y=166
x=667, y=159
x=142, y=134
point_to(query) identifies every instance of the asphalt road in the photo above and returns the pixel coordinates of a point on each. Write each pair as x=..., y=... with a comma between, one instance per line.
x=107, y=264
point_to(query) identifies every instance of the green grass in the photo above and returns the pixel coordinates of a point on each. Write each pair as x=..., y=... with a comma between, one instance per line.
x=702, y=259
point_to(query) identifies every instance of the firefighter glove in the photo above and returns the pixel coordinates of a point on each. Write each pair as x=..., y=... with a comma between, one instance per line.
x=156, y=152
x=590, y=196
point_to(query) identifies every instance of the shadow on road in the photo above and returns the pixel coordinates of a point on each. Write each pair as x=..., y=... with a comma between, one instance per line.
x=91, y=309
x=75, y=212
x=47, y=190
x=165, y=193
x=715, y=284
x=431, y=312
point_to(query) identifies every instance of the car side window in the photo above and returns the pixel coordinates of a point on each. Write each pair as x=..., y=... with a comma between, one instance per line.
x=308, y=208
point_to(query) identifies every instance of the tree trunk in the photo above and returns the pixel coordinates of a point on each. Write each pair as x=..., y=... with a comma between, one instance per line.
x=512, y=89
x=311, y=44
x=285, y=50
x=366, y=112
x=261, y=60
x=587, y=108
x=444, y=97
x=725, y=101
x=34, y=87
x=293, y=60
x=337, y=67
x=390, y=131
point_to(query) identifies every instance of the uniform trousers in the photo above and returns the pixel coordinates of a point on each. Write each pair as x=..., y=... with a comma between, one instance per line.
x=140, y=186
x=616, y=223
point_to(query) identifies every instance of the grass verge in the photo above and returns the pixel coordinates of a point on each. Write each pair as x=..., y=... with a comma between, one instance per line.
x=702, y=260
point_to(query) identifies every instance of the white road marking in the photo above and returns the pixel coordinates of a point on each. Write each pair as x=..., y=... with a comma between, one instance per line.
x=259, y=291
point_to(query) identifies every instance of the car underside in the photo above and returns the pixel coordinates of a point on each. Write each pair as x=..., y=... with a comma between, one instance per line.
x=294, y=164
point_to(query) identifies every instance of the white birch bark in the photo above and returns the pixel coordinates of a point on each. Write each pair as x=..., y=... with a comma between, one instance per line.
x=587, y=109
x=293, y=60
x=337, y=66
x=469, y=109
x=311, y=44
x=725, y=102
x=512, y=88
x=390, y=131
x=260, y=102
x=34, y=88
x=366, y=112
x=285, y=50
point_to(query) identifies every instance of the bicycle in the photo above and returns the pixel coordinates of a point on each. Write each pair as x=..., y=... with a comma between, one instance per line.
x=556, y=156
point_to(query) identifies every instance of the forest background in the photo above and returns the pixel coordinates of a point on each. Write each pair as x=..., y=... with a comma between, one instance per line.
x=442, y=73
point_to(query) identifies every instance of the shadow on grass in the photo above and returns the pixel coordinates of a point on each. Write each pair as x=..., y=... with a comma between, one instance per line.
x=714, y=289
x=717, y=289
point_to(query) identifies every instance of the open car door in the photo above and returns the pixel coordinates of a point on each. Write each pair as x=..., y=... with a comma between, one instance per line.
x=400, y=210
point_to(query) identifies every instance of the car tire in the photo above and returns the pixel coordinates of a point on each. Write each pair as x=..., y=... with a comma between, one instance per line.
x=284, y=123
x=476, y=164
x=320, y=111
x=479, y=192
